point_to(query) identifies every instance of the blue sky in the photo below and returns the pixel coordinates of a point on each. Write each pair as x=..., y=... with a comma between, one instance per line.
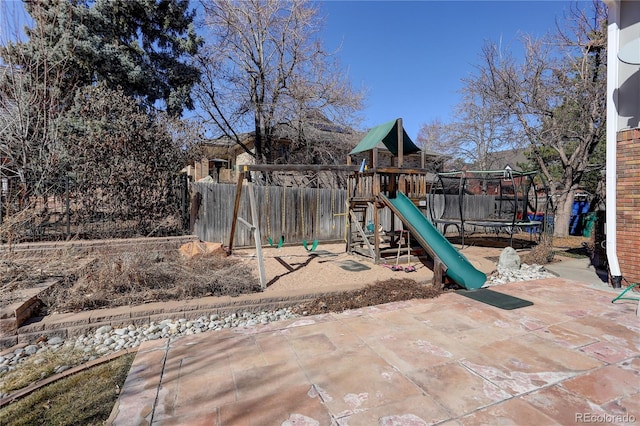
x=412, y=55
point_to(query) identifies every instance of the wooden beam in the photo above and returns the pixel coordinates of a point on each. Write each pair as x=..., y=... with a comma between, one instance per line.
x=412, y=171
x=245, y=223
x=363, y=235
x=376, y=232
x=439, y=272
x=300, y=167
x=400, y=143
x=236, y=208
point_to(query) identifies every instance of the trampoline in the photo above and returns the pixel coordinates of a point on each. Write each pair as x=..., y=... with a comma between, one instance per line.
x=491, y=201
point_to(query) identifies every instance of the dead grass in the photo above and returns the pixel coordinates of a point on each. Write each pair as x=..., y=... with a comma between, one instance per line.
x=550, y=246
x=128, y=279
x=85, y=398
x=13, y=278
x=542, y=253
x=40, y=367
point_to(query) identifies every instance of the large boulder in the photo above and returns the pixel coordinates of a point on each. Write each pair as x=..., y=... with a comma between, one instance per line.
x=509, y=260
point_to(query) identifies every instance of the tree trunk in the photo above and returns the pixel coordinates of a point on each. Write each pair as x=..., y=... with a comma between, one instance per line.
x=564, y=208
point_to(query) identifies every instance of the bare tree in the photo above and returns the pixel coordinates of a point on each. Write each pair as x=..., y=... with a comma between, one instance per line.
x=437, y=136
x=30, y=104
x=482, y=128
x=265, y=69
x=557, y=95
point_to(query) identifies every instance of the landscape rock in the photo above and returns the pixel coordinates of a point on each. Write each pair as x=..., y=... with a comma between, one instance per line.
x=103, y=330
x=509, y=259
x=55, y=341
x=196, y=248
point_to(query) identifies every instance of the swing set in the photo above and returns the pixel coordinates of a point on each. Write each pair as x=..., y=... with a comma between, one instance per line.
x=314, y=245
x=254, y=224
x=280, y=243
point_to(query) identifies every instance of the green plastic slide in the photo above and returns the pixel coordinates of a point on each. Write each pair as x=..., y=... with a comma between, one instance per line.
x=459, y=269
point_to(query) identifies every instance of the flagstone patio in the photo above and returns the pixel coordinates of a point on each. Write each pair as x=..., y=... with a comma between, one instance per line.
x=572, y=357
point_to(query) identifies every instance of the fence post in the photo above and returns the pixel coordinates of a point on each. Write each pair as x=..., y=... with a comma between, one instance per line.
x=236, y=210
x=2, y=198
x=68, y=205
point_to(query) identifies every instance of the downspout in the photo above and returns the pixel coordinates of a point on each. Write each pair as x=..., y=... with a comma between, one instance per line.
x=611, y=134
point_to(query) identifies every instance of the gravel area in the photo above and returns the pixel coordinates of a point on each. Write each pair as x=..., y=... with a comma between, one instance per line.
x=525, y=273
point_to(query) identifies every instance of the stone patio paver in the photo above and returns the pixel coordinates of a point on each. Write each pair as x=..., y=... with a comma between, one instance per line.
x=562, y=405
x=511, y=412
x=605, y=384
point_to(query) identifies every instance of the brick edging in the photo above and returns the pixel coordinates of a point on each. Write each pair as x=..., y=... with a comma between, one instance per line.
x=74, y=324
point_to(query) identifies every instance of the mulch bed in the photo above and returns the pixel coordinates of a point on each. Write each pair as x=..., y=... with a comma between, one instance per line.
x=393, y=290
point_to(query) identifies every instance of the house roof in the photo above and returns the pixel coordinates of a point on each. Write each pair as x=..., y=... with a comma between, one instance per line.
x=509, y=157
x=314, y=123
x=386, y=136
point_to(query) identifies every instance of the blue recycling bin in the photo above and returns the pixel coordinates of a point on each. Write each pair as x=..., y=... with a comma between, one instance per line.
x=576, y=222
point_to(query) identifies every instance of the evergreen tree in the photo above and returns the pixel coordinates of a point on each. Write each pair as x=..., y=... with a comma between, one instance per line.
x=137, y=45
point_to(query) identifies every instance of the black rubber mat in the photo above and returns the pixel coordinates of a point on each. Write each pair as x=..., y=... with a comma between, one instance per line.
x=353, y=266
x=493, y=298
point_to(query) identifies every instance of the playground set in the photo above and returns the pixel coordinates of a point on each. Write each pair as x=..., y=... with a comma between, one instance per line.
x=391, y=206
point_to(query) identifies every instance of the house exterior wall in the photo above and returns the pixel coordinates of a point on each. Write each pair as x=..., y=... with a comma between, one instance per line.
x=623, y=142
x=628, y=76
x=198, y=170
x=244, y=158
x=628, y=203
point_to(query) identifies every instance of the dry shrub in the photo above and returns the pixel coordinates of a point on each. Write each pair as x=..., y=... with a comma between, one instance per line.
x=541, y=254
x=393, y=290
x=12, y=272
x=136, y=278
x=12, y=227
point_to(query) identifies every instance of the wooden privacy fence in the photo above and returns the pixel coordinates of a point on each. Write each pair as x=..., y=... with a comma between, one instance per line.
x=296, y=214
x=299, y=214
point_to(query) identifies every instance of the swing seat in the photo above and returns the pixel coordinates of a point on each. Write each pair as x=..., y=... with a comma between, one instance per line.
x=313, y=247
x=394, y=268
x=280, y=243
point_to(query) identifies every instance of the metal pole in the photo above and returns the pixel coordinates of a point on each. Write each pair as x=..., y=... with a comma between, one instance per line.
x=256, y=235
